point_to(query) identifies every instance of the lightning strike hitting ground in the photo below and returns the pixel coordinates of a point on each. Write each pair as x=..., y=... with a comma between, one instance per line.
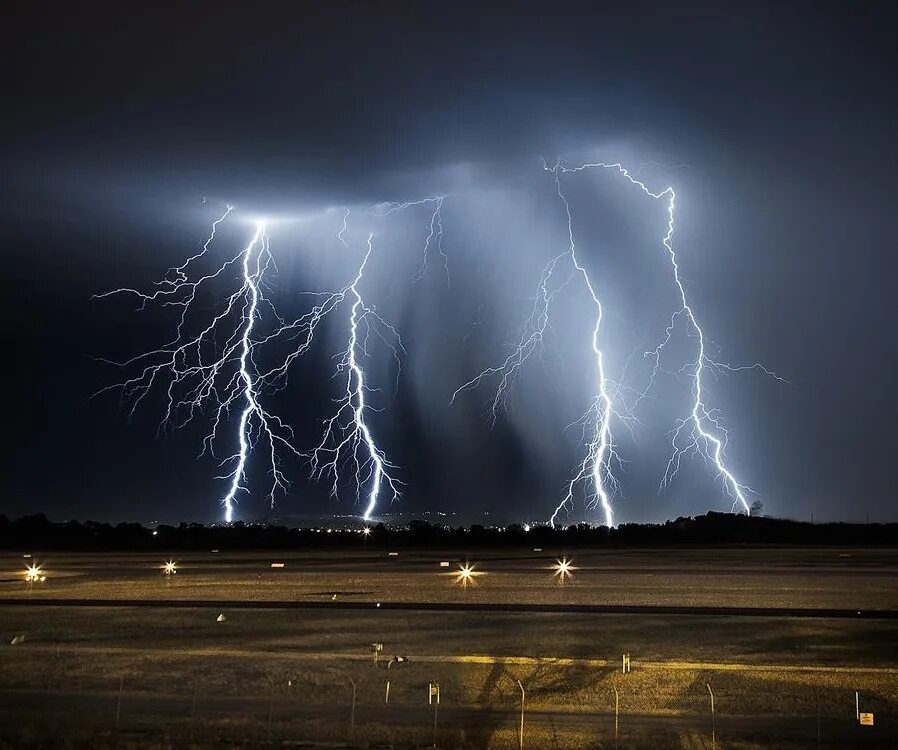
x=701, y=432
x=348, y=438
x=596, y=464
x=202, y=370
x=223, y=362
x=599, y=451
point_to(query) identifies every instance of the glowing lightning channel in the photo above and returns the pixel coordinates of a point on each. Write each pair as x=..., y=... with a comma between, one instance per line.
x=600, y=451
x=218, y=364
x=434, y=227
x=347, y=434
x=530, y=343
x=706, y=435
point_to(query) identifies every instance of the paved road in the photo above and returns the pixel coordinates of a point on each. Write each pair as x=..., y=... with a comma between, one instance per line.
x=224, y=604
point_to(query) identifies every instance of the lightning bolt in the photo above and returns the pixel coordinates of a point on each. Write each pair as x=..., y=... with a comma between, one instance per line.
x=701, y=432
x=348, y=438
x=203, y=369
x=434, y=228
x=599, y=450
x=596, y=464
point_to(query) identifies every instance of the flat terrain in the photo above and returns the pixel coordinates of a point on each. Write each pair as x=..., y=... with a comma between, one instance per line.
x=154, y=665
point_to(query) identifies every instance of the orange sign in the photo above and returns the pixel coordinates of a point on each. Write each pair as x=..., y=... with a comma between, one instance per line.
x=867, y=720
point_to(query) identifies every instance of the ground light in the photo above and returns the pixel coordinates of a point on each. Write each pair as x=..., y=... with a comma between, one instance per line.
x=466, y=575
x=563, y=568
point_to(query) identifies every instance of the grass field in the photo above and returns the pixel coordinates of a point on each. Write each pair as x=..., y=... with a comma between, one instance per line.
x=104, y=676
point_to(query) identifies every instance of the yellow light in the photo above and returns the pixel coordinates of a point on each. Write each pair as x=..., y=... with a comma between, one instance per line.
x=563, y=568
x=466, y=575
x=170, y=568
x=33, y=574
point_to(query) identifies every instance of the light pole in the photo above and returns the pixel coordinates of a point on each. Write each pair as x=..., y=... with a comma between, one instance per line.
x=713, y=734
x=521, y=730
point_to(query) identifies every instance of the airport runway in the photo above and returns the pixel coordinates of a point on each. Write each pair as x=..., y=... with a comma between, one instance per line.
x=473, y=607
x=745, y=581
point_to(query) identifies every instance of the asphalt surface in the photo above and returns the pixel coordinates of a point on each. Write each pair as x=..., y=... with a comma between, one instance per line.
x=766, y=612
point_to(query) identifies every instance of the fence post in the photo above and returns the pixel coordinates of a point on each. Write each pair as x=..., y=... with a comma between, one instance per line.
x=118, y=706
x=352, y=711
x=196, y=684
x=616, y=707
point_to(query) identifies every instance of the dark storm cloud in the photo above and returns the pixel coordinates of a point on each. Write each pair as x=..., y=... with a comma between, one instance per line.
x=120, y=121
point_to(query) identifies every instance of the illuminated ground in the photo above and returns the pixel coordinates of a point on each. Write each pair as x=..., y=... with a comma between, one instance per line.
x=768, y=673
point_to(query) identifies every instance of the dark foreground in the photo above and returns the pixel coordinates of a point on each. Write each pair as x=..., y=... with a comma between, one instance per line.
x=155, y=667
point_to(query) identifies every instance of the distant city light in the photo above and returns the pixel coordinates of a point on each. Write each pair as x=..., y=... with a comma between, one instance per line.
x=170, y=568
x=366, y=531
x=33, y=574
x=526, y=527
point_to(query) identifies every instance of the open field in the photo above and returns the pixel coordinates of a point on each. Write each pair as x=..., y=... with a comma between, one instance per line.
x=168, y=671
x=729, y=577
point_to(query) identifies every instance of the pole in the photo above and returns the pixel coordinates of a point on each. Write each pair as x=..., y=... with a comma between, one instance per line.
x=818, y=716
x=713, y=733
x=387, y=693
x=352, y=711
x=118, y=706
x=616, y=707
x=521, y=730
x=857, y=706
x=196, y=683
x=436, y=708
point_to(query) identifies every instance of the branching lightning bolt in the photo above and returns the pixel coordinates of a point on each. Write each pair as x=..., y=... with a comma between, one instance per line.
x=701, y=432
x=348, y=438
x=600, y=453
x=434, y=228
x=200, y=369
x=599, y=450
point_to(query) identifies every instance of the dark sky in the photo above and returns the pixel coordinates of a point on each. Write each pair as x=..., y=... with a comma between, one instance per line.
x=776, y=123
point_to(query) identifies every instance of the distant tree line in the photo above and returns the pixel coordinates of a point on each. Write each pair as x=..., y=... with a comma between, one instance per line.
x=38, y=533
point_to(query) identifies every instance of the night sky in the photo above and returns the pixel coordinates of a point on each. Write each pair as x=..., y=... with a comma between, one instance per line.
x=125, y=131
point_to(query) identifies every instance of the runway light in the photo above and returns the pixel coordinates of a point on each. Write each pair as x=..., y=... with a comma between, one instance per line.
x=466, y=575
x=563, y=568
x=170, y=568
